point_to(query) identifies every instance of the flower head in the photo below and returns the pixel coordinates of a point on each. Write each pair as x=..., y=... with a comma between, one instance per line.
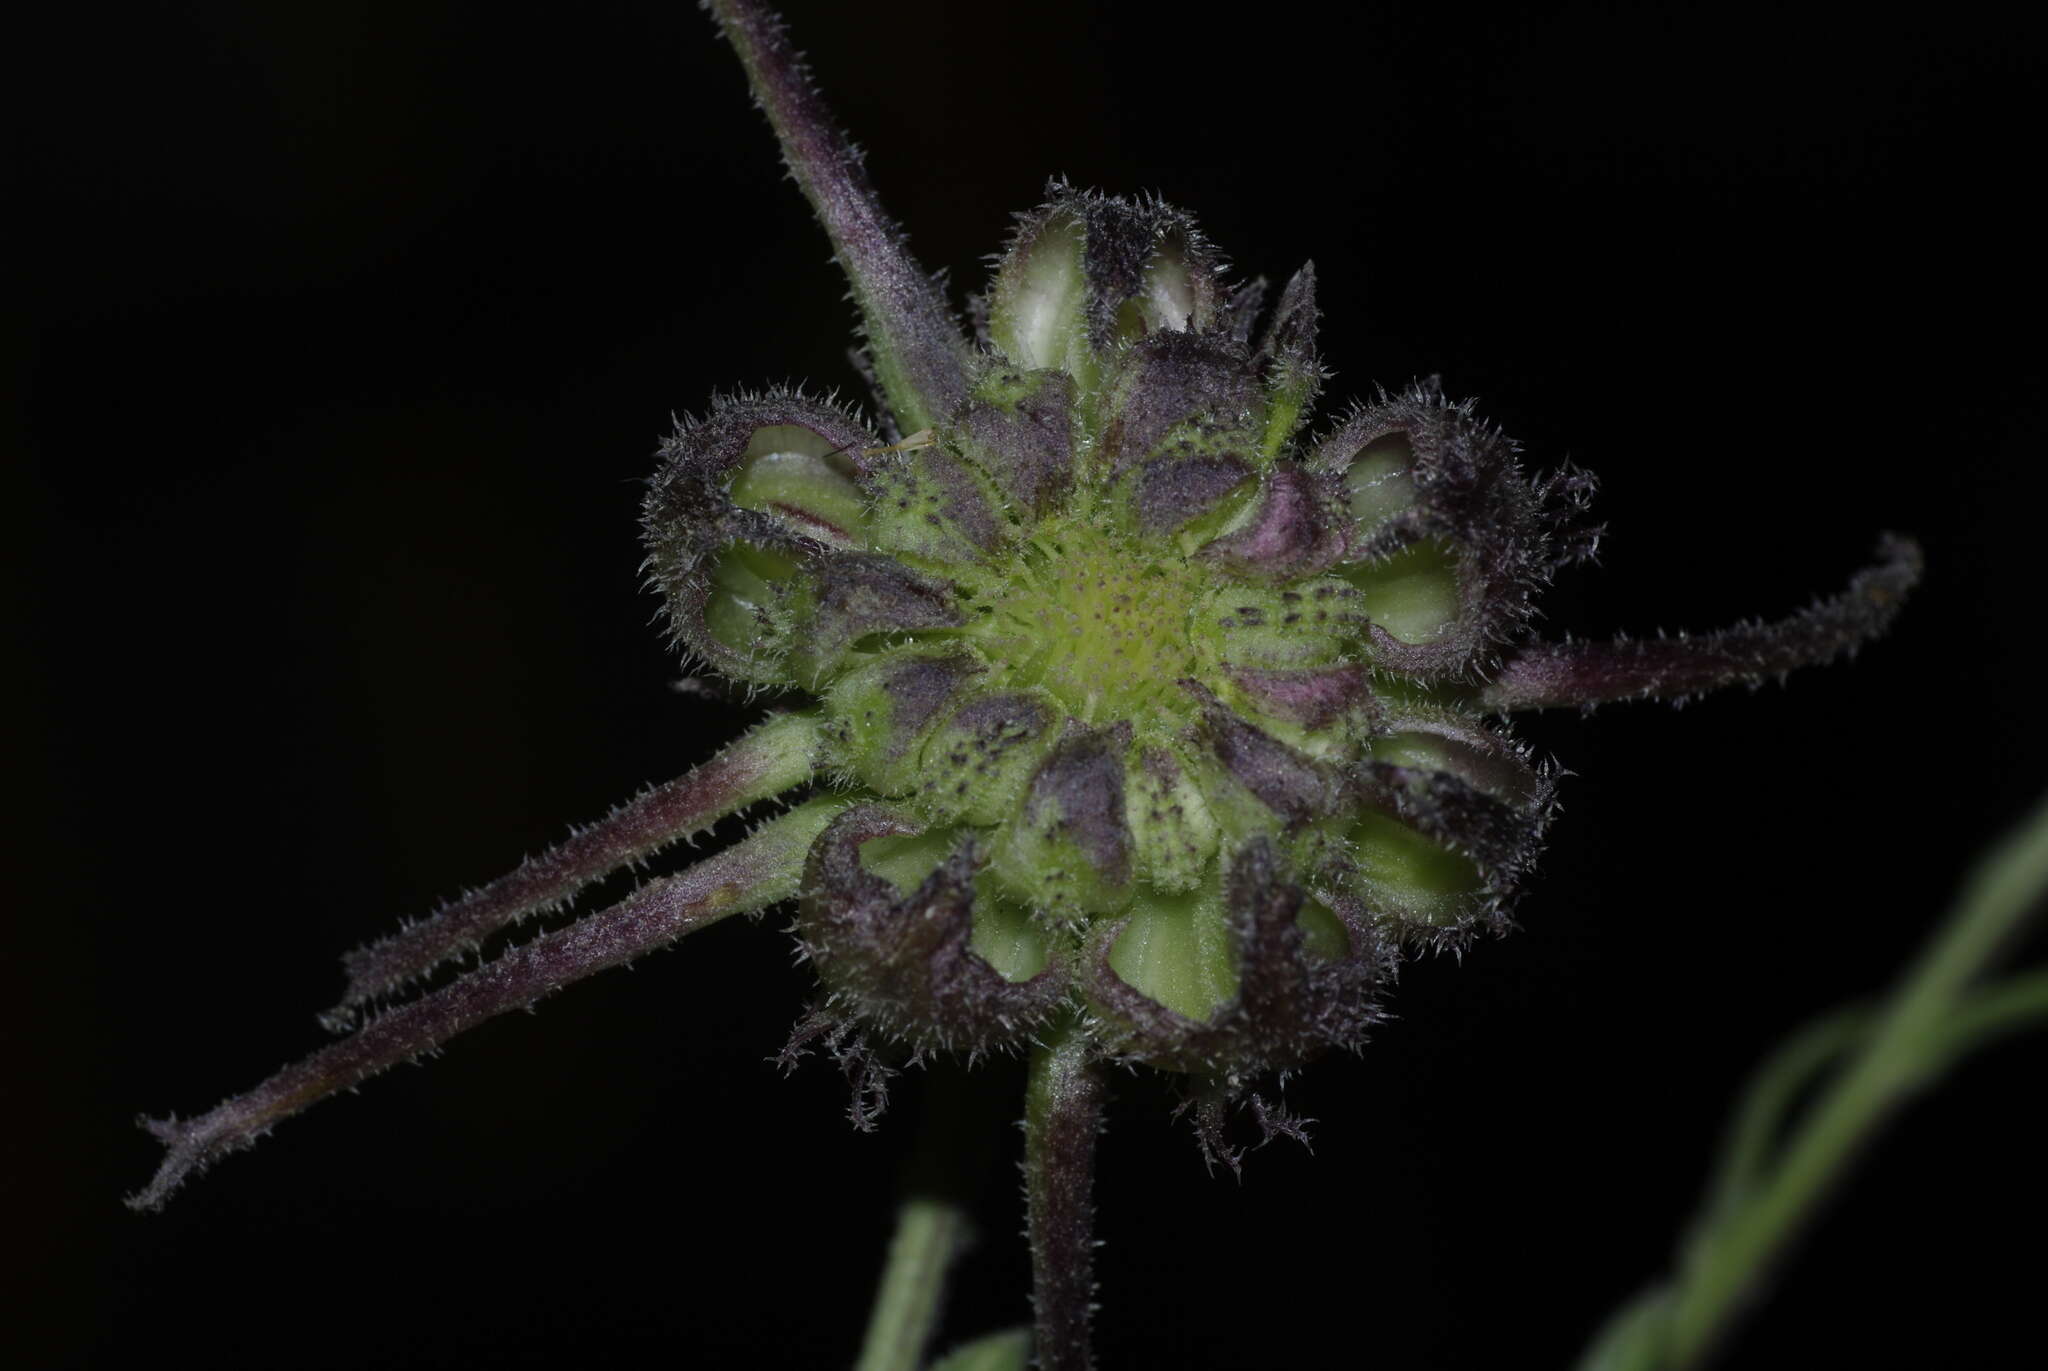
x=1153, y=704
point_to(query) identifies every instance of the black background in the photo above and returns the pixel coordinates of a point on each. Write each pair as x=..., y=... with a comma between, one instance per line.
x=351, y=330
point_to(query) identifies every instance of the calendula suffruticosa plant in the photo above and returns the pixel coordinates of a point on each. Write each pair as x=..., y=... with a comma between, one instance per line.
x=1132, y=720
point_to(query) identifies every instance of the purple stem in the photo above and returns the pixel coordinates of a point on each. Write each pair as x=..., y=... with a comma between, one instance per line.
x=776, y=755
x=1062, y=1114
x=919, y=352
x=1548, y=675
x=745, y=877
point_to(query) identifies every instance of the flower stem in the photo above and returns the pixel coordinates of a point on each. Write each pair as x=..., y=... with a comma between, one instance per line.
x=1062, y=1114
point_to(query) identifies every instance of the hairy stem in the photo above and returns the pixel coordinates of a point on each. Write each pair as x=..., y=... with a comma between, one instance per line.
x=743, y=878
x=1550, y=675
x=774, y=756
x=1062, y=1114
x=919, y=352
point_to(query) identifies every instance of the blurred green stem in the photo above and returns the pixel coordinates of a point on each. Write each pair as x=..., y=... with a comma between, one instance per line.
x=928, y=1233
x=1761, y=1197
x=961, y=1120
